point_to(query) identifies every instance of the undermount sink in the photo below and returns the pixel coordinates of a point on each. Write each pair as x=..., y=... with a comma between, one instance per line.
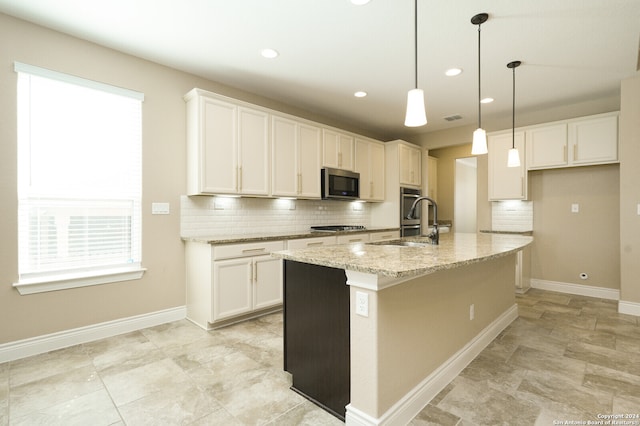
x=402, y=243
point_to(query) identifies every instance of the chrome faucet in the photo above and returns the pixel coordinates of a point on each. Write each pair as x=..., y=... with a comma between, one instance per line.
x=434, y=236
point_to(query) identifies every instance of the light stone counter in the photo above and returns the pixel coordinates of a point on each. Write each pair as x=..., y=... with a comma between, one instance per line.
x=251, y=238
x=455, y=250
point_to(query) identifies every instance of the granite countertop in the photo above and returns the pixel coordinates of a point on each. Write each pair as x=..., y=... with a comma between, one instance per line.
x=455, y=250
x=251, y=238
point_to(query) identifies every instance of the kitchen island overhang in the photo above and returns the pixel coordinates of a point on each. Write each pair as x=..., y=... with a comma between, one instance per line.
x=430, y=311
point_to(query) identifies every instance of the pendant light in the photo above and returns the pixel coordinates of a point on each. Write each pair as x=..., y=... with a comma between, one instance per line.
x=479, y=145
x=513, y=159
x=416, y=115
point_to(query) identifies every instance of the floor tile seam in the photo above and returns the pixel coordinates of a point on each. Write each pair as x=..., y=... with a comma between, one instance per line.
x=106, y=389
x=273, y=421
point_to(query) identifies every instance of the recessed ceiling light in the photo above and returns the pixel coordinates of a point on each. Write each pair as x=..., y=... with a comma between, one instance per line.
x=269, y=53
x=487, y=100
x=453, y=72
x=360, y=2
x=360, y=94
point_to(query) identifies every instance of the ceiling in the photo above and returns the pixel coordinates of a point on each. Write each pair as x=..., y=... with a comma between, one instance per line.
x=571, y=50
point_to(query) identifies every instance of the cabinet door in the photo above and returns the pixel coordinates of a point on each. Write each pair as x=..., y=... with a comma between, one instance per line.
x=432, y=183
x=547, y=146
x=330, y=147
x=363, y=166
x=594, y=140
x=337, y=150
x=410, y=165
x=284, y=137
x=506, y=183
x=255, y=155
x=267, y=282
x=232, y=287
x=218, y=147
x=377, y=171
x=309, y=161
x=345, y=152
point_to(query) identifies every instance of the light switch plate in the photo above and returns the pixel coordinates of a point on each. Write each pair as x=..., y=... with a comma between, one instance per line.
x=160, y=208
x=575, y=208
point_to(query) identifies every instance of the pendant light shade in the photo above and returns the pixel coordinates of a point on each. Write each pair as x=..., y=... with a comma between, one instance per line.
x=479, y=145
x=416, y=115
x=513, y=159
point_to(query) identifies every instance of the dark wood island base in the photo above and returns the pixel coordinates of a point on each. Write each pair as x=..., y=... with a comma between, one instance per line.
x=316, y=334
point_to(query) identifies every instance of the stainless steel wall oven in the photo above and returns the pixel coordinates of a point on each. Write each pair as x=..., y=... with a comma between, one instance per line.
x=409, y=227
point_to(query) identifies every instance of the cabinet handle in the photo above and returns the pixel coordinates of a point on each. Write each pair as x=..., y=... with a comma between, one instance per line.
x=522, y=187
x=575, y=152
x=299, y=183
x=240, y=179
x=370, y=189
x=340, y=159
x=564, y=153
x=255, y=271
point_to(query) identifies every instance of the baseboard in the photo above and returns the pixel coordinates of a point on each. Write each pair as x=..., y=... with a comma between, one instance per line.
x=629, y=308
x=582, y=290
x=413, y=402
x=63, y=339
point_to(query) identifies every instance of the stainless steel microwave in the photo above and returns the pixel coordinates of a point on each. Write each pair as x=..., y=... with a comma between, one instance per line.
x=339, y=184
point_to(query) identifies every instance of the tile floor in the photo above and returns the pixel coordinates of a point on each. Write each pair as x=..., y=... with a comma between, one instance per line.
x=566, y=358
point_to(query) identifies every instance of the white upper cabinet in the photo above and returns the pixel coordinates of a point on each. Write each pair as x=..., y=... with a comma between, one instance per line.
x=337, y=150
x=506, y=183
x=253, y=152
x=212, y=147
x=228, y=147
x=296, y=158
x=577, y=142
x=547, y=146
x=310, y=147
x=370, y=164
x=410, y=165
x=594, y=140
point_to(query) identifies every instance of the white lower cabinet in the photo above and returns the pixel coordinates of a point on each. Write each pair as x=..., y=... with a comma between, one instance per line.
x=384, y=236
x=352, y=238
x=310, y=242
x=243, y=285
x=232, y=282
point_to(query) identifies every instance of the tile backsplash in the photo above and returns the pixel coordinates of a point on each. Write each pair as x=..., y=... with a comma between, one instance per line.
x=203, y=216
x=512, y=216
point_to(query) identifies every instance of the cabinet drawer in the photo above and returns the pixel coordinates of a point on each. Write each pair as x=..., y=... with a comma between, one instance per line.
x=310, y=242
x=383, y=236
x=358, y=238
x=245, y=250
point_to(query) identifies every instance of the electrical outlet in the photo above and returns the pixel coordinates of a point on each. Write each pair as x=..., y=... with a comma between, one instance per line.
x=472, y=312
x=575, y=208
x=362, y=304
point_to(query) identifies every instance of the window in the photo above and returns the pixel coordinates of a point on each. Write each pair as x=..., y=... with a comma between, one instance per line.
x=79, y=181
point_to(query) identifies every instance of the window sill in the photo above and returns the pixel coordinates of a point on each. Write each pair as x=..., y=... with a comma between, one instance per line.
x=62, y=282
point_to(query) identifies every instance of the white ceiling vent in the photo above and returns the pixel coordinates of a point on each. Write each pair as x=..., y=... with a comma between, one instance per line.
x=453, y=117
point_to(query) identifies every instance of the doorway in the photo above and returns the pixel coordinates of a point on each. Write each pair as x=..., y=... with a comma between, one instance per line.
x=465, y=195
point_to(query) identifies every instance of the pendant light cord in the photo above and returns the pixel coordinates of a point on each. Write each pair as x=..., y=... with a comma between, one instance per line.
x=415, y=40
x=479, y=84
x=513, y=109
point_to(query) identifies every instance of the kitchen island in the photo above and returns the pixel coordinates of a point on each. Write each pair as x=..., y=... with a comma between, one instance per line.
x=404, y=319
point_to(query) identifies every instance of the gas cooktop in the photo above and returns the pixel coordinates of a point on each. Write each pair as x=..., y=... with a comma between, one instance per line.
x=336, y=228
